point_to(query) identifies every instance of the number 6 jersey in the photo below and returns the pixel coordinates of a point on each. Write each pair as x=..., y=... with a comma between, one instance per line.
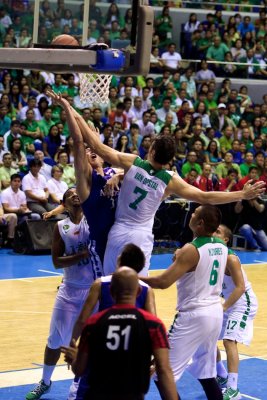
x=202, y=287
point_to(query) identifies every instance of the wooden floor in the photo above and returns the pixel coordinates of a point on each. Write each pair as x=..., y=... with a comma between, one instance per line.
x=26, y=306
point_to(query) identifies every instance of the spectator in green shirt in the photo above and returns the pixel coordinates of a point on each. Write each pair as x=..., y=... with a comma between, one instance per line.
x=226, y=139
x=6, y=171
x=248, y=162
x=46, y=122
x=68, y=170
x=223, y=168
x=58, y=86
x=191, y=164
x=217, y=52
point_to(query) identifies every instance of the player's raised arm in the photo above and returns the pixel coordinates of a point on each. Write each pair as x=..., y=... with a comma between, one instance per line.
x=110, y=155
x=179, y=187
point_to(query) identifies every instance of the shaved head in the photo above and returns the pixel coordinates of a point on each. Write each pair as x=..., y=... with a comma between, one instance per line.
x=124, y=285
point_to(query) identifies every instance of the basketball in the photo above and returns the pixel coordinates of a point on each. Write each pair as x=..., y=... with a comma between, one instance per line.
x=65, y=40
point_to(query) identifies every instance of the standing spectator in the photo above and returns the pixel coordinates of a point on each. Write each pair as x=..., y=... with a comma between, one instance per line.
x=217, y=52
x=35, y=187
x=14, y=200
x=171, y=58
x=56, y=186
x=94, y=347
x=252, y=223
x=6, y=171
x=163, y=26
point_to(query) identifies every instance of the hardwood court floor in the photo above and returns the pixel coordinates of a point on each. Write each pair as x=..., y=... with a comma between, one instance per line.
x=26, y=305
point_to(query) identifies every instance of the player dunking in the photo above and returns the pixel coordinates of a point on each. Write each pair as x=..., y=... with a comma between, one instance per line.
x=144, y=186
x=69, y=251
x=198, y=269
x=237, y=320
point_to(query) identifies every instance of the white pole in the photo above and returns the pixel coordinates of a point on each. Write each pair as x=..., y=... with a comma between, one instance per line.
x=36, y=21
x=85, y=22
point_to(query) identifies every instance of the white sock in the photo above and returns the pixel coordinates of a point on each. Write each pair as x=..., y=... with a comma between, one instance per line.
x=47, y=373
x=221, y=370
x=232, y=380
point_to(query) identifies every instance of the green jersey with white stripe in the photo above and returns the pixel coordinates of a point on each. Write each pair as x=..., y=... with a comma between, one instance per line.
x=141, y=194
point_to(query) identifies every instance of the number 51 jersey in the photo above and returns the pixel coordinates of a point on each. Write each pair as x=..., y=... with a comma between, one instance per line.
x=141, y=194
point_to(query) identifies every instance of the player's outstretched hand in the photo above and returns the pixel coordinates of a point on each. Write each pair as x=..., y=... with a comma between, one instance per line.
x=112, y=185
x=58, y=99
x=252, y=191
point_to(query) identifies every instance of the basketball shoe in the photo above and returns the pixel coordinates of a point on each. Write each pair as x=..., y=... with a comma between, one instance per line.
x=40, y=389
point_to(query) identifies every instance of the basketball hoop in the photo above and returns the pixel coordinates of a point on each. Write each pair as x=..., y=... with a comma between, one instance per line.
x=94, y=88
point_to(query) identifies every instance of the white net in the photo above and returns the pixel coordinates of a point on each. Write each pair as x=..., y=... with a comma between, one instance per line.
x=94, y=88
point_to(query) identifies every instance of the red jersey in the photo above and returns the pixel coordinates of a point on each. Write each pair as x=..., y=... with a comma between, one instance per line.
x=120, y=342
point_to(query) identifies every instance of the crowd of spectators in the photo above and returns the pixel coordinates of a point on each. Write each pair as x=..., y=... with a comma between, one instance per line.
x=219, y=132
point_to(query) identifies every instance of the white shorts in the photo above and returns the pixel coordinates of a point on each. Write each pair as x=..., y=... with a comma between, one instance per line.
x=238, y=320
x=118, y=237
x=68, y=305
x=194, y=335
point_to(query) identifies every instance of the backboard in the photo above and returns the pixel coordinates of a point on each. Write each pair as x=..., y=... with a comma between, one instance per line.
x=123, y=25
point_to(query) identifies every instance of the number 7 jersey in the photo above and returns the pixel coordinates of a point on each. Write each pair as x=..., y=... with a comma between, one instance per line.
x=141, y=194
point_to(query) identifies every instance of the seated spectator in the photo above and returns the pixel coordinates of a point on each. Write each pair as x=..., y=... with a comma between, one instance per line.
x=123, y=144
x=118, y=115
x=250, y=71
x=137, y=109
x=252, y=175
x=5, y=121
x=156, y=64
x=2, y=151
x=180, y=146
x=31, y=105
x=258, y=146
x=197, y=147
x=230, y=183
x=226, y=139
x=31, y=135
x=14, y=201
x=13, y=133
x=146, y=102
x=19, y=160
x=164, y=25
x=165, y=109
x=223, y=168
x=235, y=151
x=113, y=14
x=135, y=139
x=11, y=110
x=201, y=111
x=52, y=142
x=191, y=85
x=146, y=127
x=164, y=124
x=259, y=159
x=129, y=82
x=237, y=51
x=6, y=171
x=171, y=59
x=247, y=163
x=204, y=180
x=191, y=177
x=218, y=119
x=56, y=186
x=246, y=26
x=203, y=44
x=116, y=132
x=144, y=146
x=45, y=168
x=190, y=163
x=9, y=219
x=35, y=187
x=68, y=170
x=252, y=223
